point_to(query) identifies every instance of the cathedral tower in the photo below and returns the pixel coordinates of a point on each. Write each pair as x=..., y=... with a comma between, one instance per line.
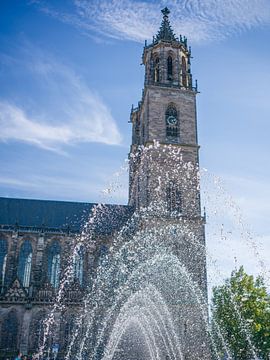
x=167, y=115
x=164, y=165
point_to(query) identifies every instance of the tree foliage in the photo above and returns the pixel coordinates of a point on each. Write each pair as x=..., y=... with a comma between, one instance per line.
x=241, y=314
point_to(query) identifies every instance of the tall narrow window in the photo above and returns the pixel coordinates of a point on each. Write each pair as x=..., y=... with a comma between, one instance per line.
x=169, y=68
x=9, y=333
x=156, y=70
x=25, y=263
x=3, y=260
x=78, y=263
x=54, y=263
x=171, y=122
x=174, y=199
x=184, y=71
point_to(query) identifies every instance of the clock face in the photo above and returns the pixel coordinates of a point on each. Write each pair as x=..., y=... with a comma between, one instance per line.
x=171, y=120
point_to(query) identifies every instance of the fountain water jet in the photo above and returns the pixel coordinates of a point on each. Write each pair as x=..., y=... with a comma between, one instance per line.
x=148, y=292
x=148, y=256
x=148, y=312
x=150, y=261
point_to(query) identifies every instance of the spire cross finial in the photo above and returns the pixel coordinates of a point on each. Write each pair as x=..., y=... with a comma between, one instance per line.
x=165, y=32
x=165, y=12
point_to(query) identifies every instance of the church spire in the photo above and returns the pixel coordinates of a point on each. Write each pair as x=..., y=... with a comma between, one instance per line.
x=167, y=59
x=165, y=32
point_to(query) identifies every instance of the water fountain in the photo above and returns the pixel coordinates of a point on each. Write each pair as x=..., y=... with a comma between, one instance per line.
x=147, y=298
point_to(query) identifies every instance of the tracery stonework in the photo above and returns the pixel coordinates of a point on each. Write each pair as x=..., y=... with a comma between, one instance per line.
x=15, y=292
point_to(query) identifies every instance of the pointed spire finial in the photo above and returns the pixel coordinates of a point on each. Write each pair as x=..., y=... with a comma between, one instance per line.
x=165, y=32
x=165, y=12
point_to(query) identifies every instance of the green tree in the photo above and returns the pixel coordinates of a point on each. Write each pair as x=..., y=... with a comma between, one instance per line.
x=241, y=313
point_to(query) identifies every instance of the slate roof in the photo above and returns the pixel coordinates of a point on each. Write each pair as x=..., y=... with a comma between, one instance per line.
x=61, y=215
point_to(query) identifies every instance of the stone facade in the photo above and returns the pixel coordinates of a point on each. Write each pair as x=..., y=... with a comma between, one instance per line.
x=24, y=305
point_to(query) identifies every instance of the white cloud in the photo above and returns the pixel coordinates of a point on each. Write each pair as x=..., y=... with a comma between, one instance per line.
x=16, y=125
x=138, y=20
x=74, y=115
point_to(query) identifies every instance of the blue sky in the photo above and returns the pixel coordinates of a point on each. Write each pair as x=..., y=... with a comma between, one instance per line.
x=69, y=72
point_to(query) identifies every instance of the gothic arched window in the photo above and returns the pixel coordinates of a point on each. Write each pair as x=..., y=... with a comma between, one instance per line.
x=54, y=251
x=25, y=263
x=184, y=71
x=78, y=263
x=169, y=68
x=171, y=122
x=174, y=199
x=156, y=70
x=3, y=260
x=9, y=332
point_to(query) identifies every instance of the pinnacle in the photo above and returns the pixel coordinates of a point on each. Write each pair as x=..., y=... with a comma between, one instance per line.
x=165, y=32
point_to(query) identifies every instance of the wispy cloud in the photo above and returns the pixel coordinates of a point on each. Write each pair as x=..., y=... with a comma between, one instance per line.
x=73, y=113
x=138, y=20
